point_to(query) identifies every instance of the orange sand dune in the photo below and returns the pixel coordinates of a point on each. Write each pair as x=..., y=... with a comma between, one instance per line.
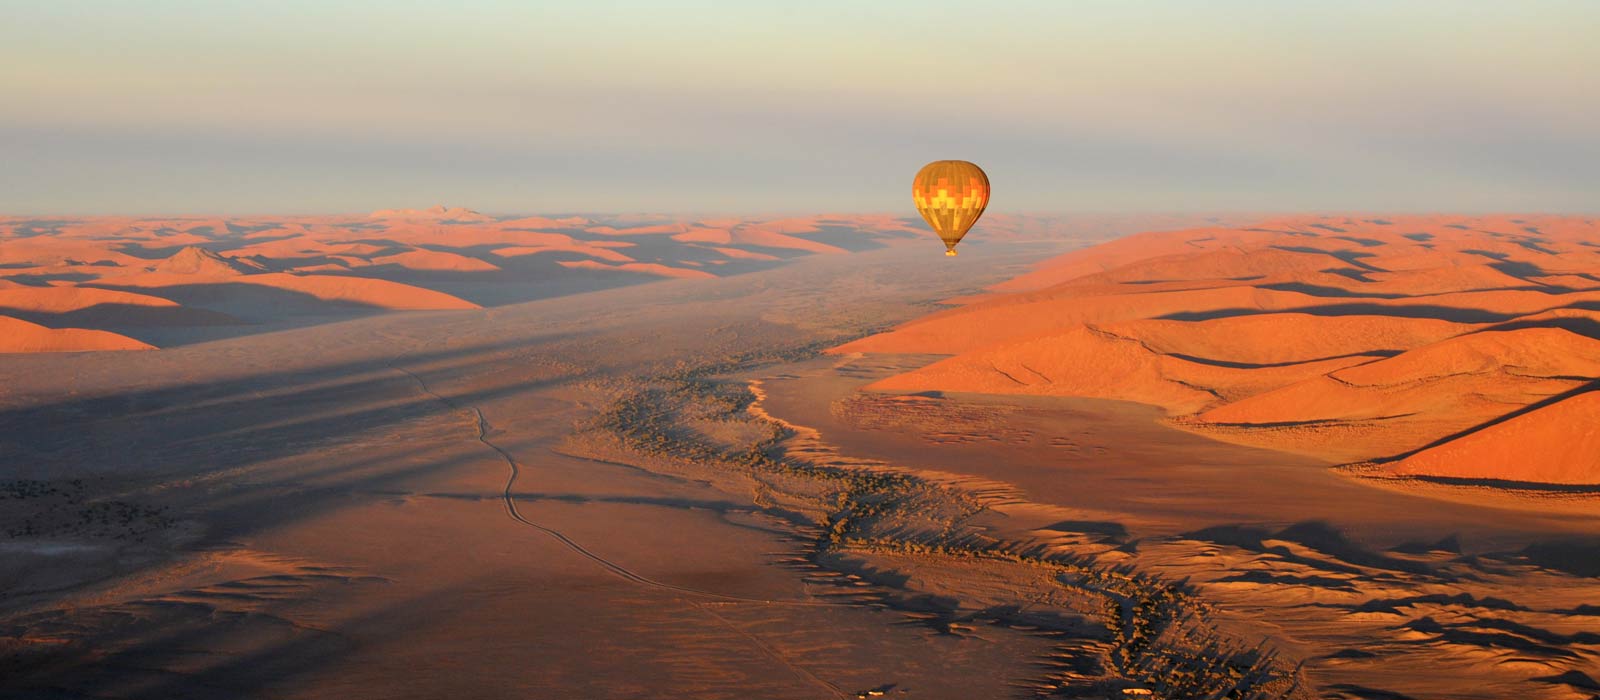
x=1350, y=338
x=643, y=268
x=779, y=235
x=1225, y=264
x=742, y=254
x=764, y=235
x=382, y=294
x=64, y=299
x=990, y=322
x=1570, y=281
x=1408, y=401
x=295, y=246
x=433, y=260
x=591, y=250
x=1500, y=370
x=362, y=291
x=1087, y=362
x=705, y=235
x=339, y=266
x=657, y=229
x=1440, y=280
x=1128, y=250
x=540, y=222
x=217, y=270
x=17, y=336
x=1529, y=352
x=195, y=260
x=1554, y=444
x=1506, y=302
x=1286, y=337
x=361, y=250
x=45, y=251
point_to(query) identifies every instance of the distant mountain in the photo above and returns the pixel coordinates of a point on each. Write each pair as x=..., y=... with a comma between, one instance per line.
x=194, y=260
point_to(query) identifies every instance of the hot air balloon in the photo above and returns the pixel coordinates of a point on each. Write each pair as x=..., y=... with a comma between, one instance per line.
x=950, y=195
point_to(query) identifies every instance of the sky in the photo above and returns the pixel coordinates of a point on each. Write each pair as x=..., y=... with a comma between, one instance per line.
x=702, y=107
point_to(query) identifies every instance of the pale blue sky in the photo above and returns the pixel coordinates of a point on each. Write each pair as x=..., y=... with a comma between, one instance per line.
x=210, y=106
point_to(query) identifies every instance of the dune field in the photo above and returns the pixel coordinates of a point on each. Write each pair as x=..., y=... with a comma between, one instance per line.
x=436, y=453
x=169, y=281
x=1348, y=339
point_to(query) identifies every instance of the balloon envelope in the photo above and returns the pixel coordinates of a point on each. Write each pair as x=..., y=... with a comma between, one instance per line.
x=950, y=195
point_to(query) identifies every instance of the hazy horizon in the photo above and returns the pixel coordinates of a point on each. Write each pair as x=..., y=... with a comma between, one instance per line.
x=348, y=106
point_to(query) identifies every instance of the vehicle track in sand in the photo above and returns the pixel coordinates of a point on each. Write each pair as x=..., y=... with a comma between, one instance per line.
x=484, y=428
x=508, y=498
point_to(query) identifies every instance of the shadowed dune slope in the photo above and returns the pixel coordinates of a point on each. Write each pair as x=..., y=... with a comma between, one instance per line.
x=1346, y=338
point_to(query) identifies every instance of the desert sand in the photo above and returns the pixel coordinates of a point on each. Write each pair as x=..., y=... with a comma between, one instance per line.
x=783, y=477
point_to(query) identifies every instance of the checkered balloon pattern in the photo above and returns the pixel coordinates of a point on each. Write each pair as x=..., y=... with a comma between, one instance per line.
x=950, y=195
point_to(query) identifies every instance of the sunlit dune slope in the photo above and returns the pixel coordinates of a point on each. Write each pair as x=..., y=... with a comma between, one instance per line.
x=375, y=293
x=1006, y=319
x=1405, y=402
x=64, y=299
x=1556, y=444
x=1088, y=362
x=1491, y=369
x=1347, y=338
x=1278, y=338
x=651, y=268
x=1125, y=251
x=21, y=336
x=433, y=260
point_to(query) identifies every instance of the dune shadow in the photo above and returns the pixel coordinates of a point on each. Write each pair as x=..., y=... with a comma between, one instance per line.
x=1587, y=327
x=1576, y=556
x=1344, y=556
x=1113, y=532
x=1445, y=313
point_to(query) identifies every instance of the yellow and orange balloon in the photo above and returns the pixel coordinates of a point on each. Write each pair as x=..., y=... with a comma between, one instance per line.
x=950, y=195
